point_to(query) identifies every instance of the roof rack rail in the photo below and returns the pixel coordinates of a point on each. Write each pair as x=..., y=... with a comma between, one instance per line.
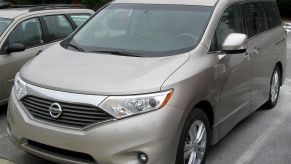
x=22, y=6
x=55, y=6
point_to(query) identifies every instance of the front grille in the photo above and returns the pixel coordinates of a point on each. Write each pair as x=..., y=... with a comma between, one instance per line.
x=62, y=152
x=73, y=115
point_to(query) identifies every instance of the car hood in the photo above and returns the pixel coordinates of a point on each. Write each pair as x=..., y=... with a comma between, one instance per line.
x=103, y=74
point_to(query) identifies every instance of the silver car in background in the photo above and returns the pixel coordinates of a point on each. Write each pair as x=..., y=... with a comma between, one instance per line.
x=25, y=31
x=150, y=81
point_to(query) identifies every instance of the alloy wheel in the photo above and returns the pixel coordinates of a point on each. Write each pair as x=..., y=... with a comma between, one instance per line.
x=275, y=86
x=195, y=144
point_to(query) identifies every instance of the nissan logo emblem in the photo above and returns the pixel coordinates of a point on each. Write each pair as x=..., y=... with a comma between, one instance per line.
x=55, y=110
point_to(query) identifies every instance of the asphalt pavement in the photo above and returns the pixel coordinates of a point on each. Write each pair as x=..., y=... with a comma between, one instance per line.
x=262, y=138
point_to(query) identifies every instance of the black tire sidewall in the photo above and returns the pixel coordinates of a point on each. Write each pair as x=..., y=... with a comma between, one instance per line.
x=196, y=114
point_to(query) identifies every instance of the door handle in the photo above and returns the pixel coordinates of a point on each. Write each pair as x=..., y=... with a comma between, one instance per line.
x=256, y=50
x=247, y=56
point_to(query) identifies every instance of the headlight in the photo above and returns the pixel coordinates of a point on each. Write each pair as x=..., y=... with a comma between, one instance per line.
x=19, y=87
x=124, y=106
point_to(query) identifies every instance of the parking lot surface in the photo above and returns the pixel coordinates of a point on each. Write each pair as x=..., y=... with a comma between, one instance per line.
x=262, y=138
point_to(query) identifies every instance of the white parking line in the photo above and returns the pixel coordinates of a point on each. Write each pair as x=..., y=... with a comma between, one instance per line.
x=258, y=144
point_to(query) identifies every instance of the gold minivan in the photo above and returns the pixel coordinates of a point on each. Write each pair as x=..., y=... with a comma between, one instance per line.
x=150, y=81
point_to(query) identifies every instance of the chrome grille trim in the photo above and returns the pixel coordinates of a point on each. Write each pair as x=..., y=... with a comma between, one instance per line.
x=79, y=111
x=94, y=100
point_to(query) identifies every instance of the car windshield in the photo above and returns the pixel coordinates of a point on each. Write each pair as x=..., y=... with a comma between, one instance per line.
x=4, y=23
x=142, y=29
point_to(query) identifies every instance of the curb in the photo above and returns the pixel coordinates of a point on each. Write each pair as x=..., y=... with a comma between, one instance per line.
x=4, y=161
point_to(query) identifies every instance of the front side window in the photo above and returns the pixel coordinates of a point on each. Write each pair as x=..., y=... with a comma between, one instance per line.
x=272, y=13
x=255, y=18
x=79, y=19
x=231, y=21
x=28, y=33
x=4, y=23
x=58, y=27
x=149, y=30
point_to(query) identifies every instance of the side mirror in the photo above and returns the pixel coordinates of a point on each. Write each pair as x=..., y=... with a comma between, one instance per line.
x=235, y=43
x=16, y=47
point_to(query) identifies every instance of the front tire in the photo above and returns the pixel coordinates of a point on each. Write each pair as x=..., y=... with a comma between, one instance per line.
x=194, y=140
x=274, y=92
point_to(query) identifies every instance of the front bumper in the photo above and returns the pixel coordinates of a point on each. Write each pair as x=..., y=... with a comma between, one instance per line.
x=155, y=134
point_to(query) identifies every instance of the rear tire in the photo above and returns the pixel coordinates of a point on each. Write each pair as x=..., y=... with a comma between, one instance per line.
x=274, y=92
x=194, y=141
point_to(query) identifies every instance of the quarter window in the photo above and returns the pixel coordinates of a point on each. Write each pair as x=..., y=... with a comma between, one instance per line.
x=231, y=21
x=58, y=27
x=28, y=33
x=273, y=15
x=79, y=19
x=255, y=18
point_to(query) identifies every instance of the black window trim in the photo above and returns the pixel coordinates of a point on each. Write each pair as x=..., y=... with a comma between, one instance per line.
x=274, y=3
x=268, y=29
x=38, y=45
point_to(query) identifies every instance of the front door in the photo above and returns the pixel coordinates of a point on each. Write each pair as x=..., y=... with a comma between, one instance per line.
x=235, y=71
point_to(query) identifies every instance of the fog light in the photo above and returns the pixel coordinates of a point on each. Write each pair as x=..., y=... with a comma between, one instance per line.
x=143, y=158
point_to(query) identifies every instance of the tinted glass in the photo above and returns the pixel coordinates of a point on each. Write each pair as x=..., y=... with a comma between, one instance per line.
x=58, y=27
x=255, y=18
x=4, y=23
x=79, y=19
x=149, y=30
x=273, y=15
x=29, y=33
x=231, y=21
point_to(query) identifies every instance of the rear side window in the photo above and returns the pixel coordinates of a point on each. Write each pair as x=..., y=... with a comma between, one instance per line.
x=79, y=19
x=255, y=18
x=231, y=21
x=273, y=15
x=58, y=27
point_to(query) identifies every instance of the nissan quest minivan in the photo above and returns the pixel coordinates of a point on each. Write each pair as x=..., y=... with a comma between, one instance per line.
x=150, y=81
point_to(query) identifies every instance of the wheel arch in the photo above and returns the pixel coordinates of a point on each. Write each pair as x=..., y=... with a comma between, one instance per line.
x=207, y=108
x=280, y=66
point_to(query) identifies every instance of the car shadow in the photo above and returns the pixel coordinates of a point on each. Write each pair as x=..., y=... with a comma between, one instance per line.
x=234, y=136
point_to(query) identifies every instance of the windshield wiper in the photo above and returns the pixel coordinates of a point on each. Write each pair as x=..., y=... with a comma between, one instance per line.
x=119, y=53
x=75, y=47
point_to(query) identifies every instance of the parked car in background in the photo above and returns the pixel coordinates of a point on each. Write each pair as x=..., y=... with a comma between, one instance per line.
x=26, y=31
x=287, y=25
x=151, y=81
x=4, y=4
